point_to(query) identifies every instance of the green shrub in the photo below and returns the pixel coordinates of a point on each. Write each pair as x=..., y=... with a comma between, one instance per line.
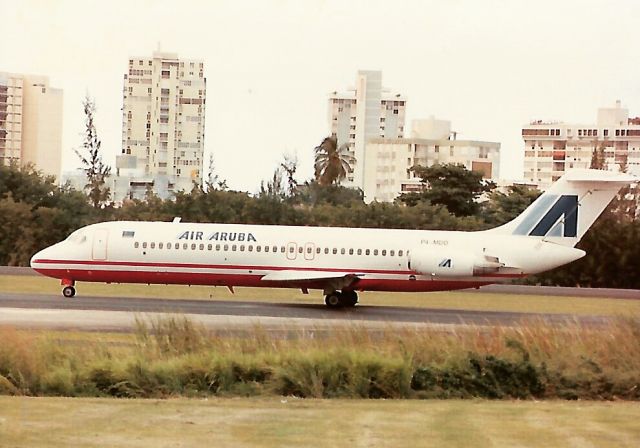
x=535, y=360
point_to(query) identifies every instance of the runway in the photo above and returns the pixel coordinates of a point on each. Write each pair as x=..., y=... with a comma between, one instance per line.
x=119, y=313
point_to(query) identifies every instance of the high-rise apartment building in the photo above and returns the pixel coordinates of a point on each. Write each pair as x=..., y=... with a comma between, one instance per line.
x=162, y=125
x=388, y=171
x=551, y=148
x=362, y=113
x=30, y=122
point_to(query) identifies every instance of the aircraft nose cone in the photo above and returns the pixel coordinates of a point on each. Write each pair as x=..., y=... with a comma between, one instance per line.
x=34, y=263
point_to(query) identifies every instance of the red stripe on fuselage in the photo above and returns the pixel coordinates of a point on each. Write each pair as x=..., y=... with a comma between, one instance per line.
x=213, y=266
x=133, y=264
x=254, y=280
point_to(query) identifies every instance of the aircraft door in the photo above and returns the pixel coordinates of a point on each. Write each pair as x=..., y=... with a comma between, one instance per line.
x=99, y=249
x=309, y=251
x=292, y=251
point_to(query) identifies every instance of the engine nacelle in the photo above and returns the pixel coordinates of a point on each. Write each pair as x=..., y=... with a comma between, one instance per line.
x=442, y=262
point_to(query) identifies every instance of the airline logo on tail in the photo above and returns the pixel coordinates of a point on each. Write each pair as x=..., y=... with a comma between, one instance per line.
x=551, y=215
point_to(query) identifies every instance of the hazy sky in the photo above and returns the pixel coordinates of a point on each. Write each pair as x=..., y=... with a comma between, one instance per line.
x=488, y=66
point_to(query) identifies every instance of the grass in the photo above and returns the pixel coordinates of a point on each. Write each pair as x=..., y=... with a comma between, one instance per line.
x=272, y=422
x=439, y=300
x=175, y=357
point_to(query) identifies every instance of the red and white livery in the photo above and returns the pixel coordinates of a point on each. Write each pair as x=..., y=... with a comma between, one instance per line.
x=339, y=261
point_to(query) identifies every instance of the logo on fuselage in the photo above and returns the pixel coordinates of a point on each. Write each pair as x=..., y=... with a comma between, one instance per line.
x=446, y=263
x=217, y=236
x=560, y=219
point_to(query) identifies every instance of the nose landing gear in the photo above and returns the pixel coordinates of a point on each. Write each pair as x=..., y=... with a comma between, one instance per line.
x=339, y=299
x=68, y=291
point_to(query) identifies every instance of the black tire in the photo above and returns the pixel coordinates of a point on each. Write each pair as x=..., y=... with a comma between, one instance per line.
x=68, y=291
x=349, y=298
x=333, y=300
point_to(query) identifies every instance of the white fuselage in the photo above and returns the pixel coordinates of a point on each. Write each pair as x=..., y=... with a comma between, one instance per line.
x=300, y=257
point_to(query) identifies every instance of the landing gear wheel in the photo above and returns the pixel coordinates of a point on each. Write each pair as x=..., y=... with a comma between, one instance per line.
x=68, y=291
x=332, y=300
x=349, y=298
x=341, y=299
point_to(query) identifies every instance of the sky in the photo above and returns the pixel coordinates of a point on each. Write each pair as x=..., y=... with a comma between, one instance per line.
x=487, y=66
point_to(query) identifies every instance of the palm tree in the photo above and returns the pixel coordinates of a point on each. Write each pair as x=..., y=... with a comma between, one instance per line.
x=333, y=163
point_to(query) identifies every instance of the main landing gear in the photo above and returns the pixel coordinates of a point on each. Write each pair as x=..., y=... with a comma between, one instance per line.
x=337, y=299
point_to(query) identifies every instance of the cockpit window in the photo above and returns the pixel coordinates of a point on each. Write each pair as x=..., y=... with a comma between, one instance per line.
x=128, y=234
x=77, y=237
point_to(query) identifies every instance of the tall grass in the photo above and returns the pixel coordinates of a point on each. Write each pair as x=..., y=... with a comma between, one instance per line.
x=174, y=356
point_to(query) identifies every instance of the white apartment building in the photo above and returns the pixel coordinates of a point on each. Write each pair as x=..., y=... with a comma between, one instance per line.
x=551, y=148
x=388, y=171
x=30, y=122
x=163, y=125
x=362, y=113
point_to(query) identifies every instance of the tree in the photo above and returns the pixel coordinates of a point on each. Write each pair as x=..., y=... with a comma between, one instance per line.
x=332, y=163
x=597, y=156
x=451, y=185
x=213, y=181
x=36, y=213
x=273, y=187
x=502, y=208
x=96, y=170
x=311, y=193
x=290, y=166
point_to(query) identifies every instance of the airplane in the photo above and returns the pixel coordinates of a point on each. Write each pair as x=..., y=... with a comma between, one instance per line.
x=339, y=261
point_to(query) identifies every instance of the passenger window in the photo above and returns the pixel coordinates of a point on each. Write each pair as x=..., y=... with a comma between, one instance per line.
x=144, y=245
x=201, y=246
x=234, y=247
x=367, y=252
x=282, y=249
x=359, y=251
x=375, y=251
x=177, y=246
x=258, y=248
x=185, y=246
x=291, y=250
x=160, y=245
x=300, y=249
x=266, y=248
x=343, y=251
x=210, y=247
x=392, y=253
x=400, y=253
x=226, y=247
x=350, y=251
x=318, y=250
x=217, y=247
x=250, y=247
x=136, y=244
x=242, y=248
x=168, y=245
x=326, y=250
x=384, y=252
x=193, y=246
x=335, y=251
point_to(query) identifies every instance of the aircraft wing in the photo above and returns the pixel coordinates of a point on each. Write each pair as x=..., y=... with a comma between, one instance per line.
x=293, y=276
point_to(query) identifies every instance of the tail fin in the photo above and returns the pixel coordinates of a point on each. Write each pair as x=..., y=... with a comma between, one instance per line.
x=564, y=213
